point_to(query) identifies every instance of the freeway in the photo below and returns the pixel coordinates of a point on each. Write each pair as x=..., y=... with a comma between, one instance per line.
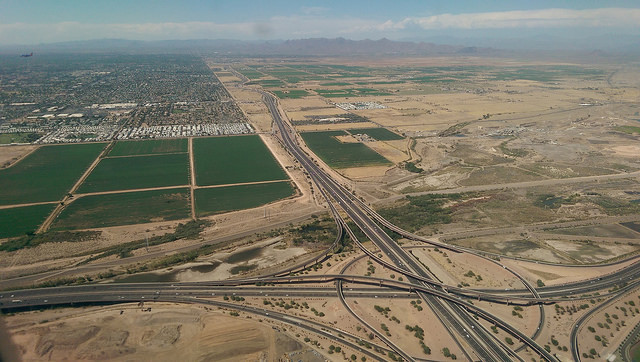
x=620, y=277
x=291, y=285
x=382, y=241
x=69, y=294
x=481, y=341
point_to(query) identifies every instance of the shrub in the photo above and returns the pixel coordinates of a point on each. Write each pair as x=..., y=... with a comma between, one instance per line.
x=509, y=340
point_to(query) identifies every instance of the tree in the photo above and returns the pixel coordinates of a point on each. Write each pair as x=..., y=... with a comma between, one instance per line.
x=509, y=340
x=446, y=352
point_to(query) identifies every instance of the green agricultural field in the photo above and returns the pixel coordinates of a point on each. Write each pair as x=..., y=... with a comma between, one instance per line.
x=21, y=220
x=350, y=92
x=223, y=199
x=336, y=93
x=138, y=172
x=380, y=134
x=628, y=129
x=334, y=84
x=20, y=137
x=380, y=82
x=313, y=68
x=268, y=83
x=149, y=147
x=237, y=159
x=46, y=174
x=342, y=155
x=291, y=93
x=250, y=73
x=124, y=209
x=533, y=74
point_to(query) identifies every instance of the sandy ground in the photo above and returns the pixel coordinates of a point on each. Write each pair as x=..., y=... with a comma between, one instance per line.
x=334, y=314
x=347, y=139
x=388, y=151
x=10, y=154
x=333, y=126
x=435, y=336
x=556, y=274
x=364, y=172
x=168, y=332
x=603, y=252
x=627, y=150
x=526, y=324
x=491, y=275
x=54, y=255
x=269, y=253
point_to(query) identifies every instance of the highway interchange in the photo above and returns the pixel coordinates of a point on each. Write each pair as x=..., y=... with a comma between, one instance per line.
x=449, y=303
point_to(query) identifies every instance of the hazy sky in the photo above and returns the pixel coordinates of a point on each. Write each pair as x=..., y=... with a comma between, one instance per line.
x=45, y=21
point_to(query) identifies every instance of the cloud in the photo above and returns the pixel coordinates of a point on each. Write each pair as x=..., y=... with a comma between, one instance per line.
x=545, y=18
x=318, y=23
x=314, y=10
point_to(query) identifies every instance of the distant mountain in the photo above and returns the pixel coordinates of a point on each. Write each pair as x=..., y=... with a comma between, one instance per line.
x=300, y=47
x=341, y=46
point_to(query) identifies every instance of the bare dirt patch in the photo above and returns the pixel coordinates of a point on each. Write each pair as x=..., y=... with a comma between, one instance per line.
x=558, y=274
x=471, y=270
x=588, y=252
x=347, y=139
x=627, y=150
x=364, y=172
x=167, y=332
x=254, y=257
x=387, y=151
x=10, y=154
x=333, y=126
x=52, y=251
x=408, y=314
